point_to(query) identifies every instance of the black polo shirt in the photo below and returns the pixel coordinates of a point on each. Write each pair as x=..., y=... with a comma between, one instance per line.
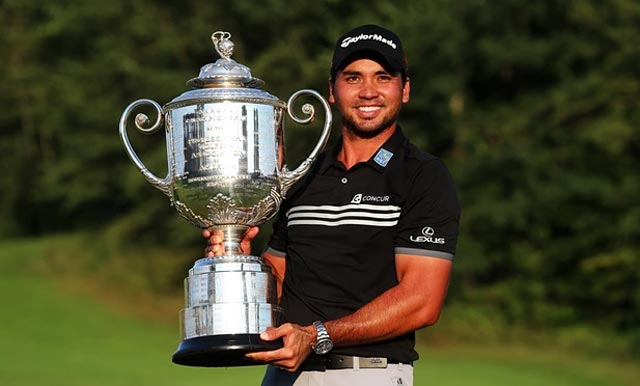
x=340, y=229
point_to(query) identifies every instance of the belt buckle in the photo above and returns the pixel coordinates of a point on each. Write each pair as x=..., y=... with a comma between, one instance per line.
x=372, y=363
x=335, y=361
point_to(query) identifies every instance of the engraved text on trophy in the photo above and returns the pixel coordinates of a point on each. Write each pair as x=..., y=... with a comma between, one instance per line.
x=225, y=140
x=222, y=150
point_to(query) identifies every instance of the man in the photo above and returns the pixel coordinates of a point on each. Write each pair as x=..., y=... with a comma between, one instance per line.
x=363, y=244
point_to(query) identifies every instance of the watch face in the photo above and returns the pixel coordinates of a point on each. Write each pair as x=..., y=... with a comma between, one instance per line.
x=323, y=347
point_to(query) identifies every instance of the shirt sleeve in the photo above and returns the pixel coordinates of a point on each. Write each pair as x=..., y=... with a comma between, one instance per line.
x=429, y=222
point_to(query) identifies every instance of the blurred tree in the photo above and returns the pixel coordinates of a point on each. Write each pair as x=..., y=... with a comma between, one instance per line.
x=547, y=159
x=534, y=106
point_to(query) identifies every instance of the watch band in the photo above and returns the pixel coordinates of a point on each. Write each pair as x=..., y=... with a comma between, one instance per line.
x=323, y=341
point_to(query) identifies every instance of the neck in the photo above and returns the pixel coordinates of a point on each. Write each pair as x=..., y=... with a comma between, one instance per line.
x=356, y=149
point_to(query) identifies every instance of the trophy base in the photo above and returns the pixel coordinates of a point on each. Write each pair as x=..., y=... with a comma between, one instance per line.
x=225, y=350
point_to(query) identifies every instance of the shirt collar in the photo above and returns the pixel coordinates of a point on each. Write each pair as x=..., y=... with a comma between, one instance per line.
x=379, y=161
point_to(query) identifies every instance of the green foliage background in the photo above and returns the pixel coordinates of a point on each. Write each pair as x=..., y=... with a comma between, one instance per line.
x=535, y=107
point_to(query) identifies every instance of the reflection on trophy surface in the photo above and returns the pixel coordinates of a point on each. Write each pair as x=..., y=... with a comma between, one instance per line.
x=225, y=171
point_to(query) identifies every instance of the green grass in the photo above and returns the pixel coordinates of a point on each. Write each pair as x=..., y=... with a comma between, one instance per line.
x=51, y=335
x=491, y=366
x=52, y=338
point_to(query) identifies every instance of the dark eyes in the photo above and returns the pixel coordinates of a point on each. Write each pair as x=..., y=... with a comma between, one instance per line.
x=379, y=78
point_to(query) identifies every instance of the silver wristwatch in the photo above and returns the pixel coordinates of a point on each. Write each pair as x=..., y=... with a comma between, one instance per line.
x=323, y=341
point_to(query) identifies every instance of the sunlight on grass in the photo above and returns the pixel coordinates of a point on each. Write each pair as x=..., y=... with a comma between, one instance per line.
x=57, y=340
x=53, y=336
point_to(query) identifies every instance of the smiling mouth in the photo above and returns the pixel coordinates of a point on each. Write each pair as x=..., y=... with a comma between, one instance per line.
x=368, y=109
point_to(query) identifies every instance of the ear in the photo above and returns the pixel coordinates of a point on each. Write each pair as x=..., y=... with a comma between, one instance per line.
x=332, y=99
x=406, y=90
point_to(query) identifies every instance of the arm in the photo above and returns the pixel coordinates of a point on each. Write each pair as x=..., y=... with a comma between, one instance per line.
x=278, y=266
x=412, y=304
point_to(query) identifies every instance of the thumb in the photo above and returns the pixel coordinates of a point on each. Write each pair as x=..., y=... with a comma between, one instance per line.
x=250, y=233
x=271, y=333
x=245, y=243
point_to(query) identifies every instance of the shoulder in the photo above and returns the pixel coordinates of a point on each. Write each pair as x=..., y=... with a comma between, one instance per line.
x=414, y=153
x=423, y=167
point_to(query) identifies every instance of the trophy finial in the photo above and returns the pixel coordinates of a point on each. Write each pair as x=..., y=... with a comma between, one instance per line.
x=225, y=72
x=222, y=44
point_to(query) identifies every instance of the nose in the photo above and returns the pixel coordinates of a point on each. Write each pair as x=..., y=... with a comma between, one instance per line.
x=368, y=89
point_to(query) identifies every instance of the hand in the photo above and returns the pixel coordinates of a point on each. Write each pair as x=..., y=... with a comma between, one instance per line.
x=297, y=346
x=215, y=244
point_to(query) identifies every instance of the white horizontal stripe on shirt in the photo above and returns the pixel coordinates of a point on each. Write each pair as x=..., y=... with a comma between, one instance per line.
x=344, y=214
x=343, y=222
x=339, y=208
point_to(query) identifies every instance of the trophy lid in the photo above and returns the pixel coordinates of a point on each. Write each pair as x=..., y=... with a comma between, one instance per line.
x=224, y=81
x=225, y=72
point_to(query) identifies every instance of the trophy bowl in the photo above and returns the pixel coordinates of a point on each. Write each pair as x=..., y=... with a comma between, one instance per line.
x=226, y=170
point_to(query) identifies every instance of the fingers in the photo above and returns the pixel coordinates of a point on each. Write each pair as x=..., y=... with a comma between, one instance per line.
x=215, y=238
x=245, y=243
x=251, y=233
x=273, y=333
x=208, y=233
x=215, y=246
x=214, y=250
x=297, y=346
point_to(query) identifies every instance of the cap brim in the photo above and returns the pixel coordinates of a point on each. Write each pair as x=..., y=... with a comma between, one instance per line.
x=389, y=66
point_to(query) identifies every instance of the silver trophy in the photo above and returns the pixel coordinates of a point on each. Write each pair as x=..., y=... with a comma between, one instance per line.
x=226, y=171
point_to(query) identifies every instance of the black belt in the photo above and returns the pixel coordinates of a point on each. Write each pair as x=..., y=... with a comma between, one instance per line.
x=336, y=361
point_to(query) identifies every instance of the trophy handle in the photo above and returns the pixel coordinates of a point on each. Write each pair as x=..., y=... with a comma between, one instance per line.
x=143, y=124
x=290, y=177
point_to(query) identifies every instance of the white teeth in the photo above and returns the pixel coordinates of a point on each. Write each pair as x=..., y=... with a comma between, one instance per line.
x=368, y=108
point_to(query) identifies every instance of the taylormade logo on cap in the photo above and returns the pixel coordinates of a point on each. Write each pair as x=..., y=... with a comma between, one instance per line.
x=354, y=39
x=369, y=42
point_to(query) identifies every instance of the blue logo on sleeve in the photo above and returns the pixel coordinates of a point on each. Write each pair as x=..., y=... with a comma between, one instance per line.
x=383, y=157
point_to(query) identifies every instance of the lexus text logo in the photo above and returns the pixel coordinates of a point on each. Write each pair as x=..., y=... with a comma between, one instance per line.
x=360, y=198
x=427, y=237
